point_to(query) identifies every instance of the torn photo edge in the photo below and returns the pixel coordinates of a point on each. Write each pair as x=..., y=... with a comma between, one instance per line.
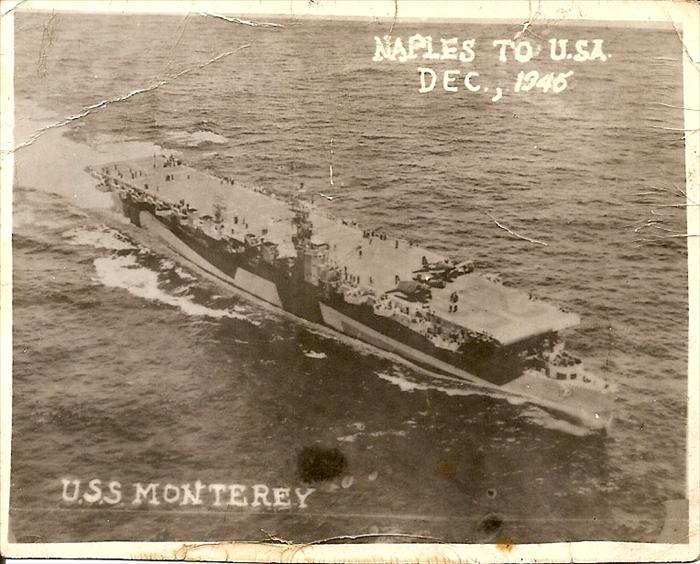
x=685, y=18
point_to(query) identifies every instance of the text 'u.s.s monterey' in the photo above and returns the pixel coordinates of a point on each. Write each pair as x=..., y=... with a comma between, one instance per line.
x=96, y=492
x=427, y=50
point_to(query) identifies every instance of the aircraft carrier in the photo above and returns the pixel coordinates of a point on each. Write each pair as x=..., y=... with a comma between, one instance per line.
x=444, y=316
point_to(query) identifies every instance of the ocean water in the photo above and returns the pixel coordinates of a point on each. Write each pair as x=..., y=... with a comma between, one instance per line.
x=130, y=366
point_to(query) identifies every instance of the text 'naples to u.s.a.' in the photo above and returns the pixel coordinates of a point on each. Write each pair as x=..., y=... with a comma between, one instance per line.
x=525, y=54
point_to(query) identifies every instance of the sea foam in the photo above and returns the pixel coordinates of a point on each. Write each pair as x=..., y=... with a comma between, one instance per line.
x=196, y=138
x=100, y=238
x=125, y=272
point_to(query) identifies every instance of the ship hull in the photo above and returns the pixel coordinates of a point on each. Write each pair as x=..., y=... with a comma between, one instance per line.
x=292, y=294
x=594, y=409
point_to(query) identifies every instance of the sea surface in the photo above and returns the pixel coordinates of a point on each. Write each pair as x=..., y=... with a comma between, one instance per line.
x=131, y=366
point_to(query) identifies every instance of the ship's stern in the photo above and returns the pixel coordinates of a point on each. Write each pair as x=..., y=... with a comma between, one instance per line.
x=589, y=401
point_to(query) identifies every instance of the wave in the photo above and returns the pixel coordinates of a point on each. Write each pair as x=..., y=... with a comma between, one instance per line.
x=181, y=272
x=32, y=245
x=404, y=384
x=124, y=271
x=531, y=413
x=543, y=418
x=447, y=385
x=196, y=139
x=354, y=436
x=314, y=354
x=101, y=237
x=43, y=212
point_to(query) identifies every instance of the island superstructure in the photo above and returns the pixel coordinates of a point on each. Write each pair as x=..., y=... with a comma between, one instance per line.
x=362, y=282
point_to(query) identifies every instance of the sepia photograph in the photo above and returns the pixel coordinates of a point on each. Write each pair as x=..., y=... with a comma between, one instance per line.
x=348, y=273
